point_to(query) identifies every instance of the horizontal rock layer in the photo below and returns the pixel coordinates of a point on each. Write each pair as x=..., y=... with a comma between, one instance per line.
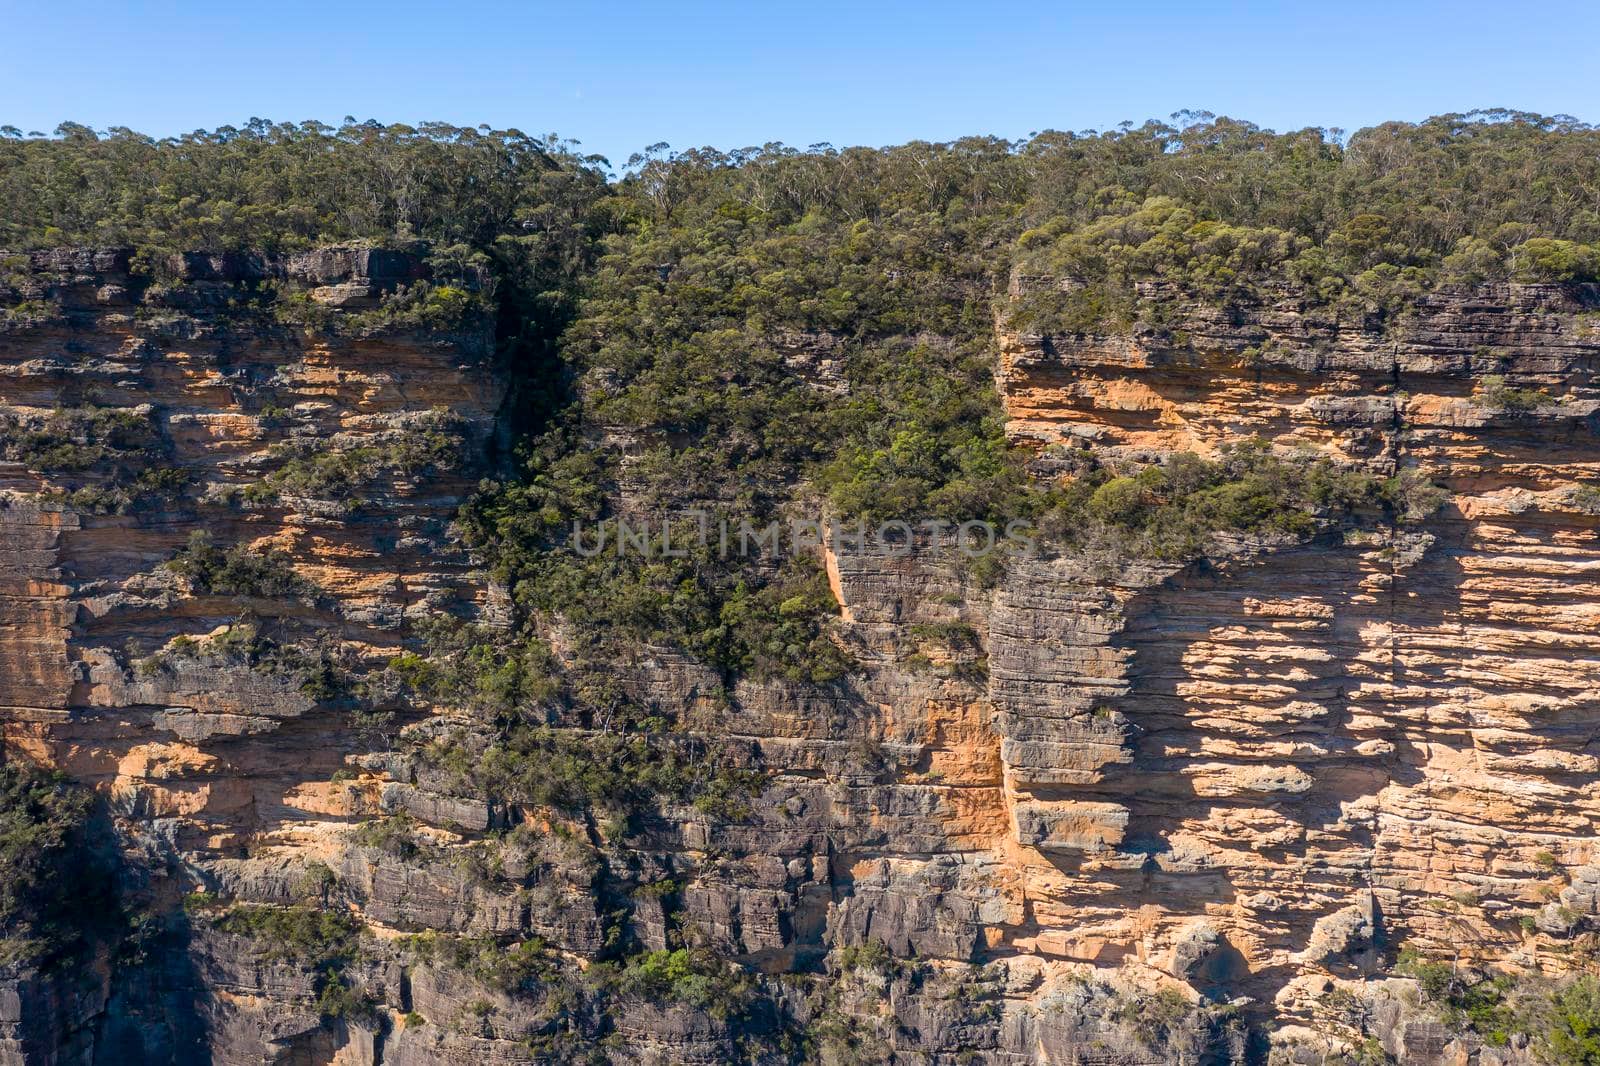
x=1242, y=778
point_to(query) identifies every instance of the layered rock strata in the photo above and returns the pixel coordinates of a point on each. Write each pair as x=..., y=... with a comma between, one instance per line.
x=1243, y=780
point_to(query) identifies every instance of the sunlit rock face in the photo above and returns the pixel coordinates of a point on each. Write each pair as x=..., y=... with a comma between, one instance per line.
x=1391, y=735
x=114, y=670
x=1246, y=778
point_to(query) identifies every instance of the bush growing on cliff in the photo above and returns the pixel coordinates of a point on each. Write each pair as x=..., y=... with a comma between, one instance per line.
x=44, y=845
x=514, y=969
x=1560, y=1016
x=323, y=939
x=750, y=351
x=1572, y=1034
x=1465, y=998
x=1496, y=395
x=421, y=307
x=318, y=673
x=1586, y=498
x=74, y=439
x=477, y=668
x=616, y=774
x=297, y=932
x=148, y=488
x=429, y=443
x=238, y=571
x=1170, y=511
x=684, y=975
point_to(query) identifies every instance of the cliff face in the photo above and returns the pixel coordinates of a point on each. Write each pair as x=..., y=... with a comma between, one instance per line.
x=1246, y=778
x=190, y=707
x=1391, y=736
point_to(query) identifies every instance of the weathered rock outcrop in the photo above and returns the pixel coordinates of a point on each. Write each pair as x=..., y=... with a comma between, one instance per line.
x=207, y=743
x=1390, y=738
x=1242, y=781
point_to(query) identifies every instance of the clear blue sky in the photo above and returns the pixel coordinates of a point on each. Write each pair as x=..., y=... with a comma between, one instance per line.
x=620, y=75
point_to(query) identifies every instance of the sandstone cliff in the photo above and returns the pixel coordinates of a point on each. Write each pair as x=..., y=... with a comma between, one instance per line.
x=1086, y=815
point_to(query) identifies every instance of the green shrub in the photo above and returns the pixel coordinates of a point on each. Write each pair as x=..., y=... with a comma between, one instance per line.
x=870, y=955
x=1464, y=998
x=430, y=443
x=302, y=932
x=422, y=306
x=326, y=940
x=1544, y=259
x=75, y=439
x=238, y=571
x=1496, y=395
x=318, y=676
x=687, y=976
x=623, y=774
x=1170, y=511
x=393, y=834
x=1573, y=1036
x=44, y=845
x=147, y=488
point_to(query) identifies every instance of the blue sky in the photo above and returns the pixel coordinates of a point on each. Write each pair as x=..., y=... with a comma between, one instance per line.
x=621, y=75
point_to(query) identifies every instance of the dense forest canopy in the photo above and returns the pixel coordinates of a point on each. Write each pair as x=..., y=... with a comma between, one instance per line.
x=664, y=308
x=1498, y=176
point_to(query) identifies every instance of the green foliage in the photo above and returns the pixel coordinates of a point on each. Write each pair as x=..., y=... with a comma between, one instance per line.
x=421, y=307
x=1562, y=1017
x=429, y=443
x=870, y=955
x=454, y=299
x=922, y=435
x=44, y=845
x=477, y=668
x=695, y=978
x=238, y=571
x=1464, y=998
x=148, y=487
x=277, y=186
x=75, y=439
x=516, y=968
x=1573, y=1035
x=318, y=473
x=298, y=932
x=1160, y=240
x=959, y=648
x=394, y=834
x=318, y=675
x=1495, y=394
x=623, y=774
x=1170, y=511
x=1544, y=259
x=323, y=939
x=1224, y=212
x=316, y=882
x=777, y=630
x=1168, y=1025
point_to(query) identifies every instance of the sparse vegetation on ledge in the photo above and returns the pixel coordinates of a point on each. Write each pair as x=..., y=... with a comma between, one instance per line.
x=432, y=442
x=1171, y=510
x=74, y=439
x=326, y=940
x=238, y=571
